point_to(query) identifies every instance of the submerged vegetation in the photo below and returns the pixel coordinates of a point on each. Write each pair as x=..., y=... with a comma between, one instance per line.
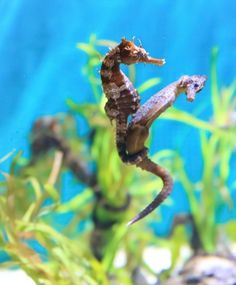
x=213, y=192
x=85, y=248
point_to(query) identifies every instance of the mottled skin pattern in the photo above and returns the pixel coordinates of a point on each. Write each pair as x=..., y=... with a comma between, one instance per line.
x=123, y=101
x=138, y=131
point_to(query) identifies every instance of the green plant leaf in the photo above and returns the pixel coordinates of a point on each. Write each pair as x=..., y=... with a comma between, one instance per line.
x=51, y=191
x=7, y=156
x=77, y=203
x=148, y=84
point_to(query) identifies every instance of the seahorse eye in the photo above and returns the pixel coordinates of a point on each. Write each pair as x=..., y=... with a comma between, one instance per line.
x=196, y=85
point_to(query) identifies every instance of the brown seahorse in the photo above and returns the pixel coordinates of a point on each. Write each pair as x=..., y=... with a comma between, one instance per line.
x=123, y=101
x=138, y=131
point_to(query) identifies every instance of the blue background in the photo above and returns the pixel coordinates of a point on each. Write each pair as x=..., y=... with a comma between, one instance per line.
x=40, y=66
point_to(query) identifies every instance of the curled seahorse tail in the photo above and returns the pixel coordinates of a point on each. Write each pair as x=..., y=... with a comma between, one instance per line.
x=148, y=165
x=126, y=158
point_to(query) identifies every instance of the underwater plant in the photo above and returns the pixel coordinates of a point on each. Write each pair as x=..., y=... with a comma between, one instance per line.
x=84, y=248
x=28, y=237
x=213, y=192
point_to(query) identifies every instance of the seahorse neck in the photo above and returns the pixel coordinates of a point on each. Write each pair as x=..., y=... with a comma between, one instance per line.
x=110, y=71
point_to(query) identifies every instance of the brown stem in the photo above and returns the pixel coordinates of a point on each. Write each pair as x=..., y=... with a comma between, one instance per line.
x=47, y=136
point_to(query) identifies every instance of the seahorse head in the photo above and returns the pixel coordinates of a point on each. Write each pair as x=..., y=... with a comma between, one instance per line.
x=192, y=85
x=129, y=53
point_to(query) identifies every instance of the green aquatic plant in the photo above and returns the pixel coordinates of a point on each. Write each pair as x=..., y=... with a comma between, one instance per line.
x=217, y=139
x=26, y=235
x=85, y=250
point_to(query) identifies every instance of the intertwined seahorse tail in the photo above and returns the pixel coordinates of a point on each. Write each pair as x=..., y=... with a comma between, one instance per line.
x=148, y=165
